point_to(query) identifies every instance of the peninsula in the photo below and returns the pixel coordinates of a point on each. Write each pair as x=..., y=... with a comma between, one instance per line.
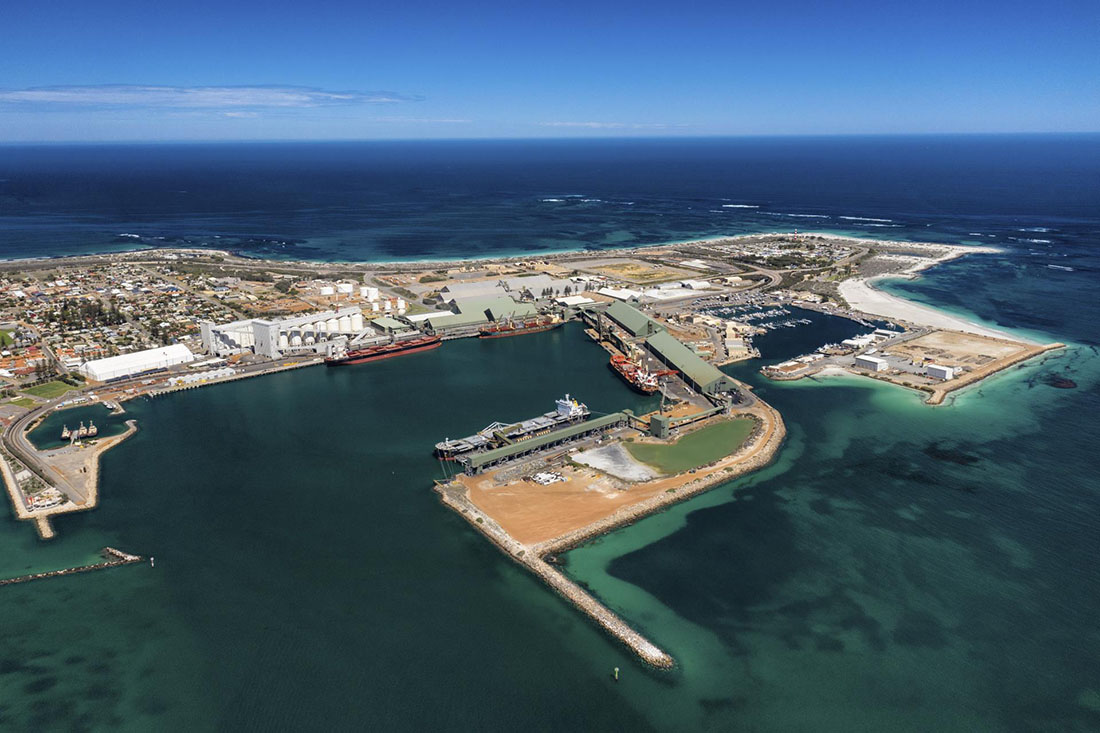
x=108, y=328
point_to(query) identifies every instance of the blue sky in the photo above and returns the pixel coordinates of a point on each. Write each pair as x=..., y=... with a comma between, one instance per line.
x=168, y=70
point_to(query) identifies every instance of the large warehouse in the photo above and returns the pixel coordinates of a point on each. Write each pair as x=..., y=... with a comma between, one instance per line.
x=633, y=321
x=139, y=362
x=703, y=377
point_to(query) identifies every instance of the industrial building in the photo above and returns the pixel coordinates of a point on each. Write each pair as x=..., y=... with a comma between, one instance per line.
x=474, y=312
x=274, y=338
x=478, y=462
x=938, y=371
x=633, y=321
x=872, y=363
x=139, y=362
x=701, y=376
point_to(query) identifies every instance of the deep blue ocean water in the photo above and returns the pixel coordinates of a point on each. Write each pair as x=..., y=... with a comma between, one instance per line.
x=899, y=567
x=392, y=200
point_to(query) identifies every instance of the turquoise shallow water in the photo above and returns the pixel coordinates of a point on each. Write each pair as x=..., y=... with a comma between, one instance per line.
x=939, y=577
x=899, y=567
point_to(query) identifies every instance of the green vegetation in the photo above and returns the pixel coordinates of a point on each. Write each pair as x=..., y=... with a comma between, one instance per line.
x=49, y=390
x=6, y=339
x=432, y=279
x=699, y=448
x=24, y=402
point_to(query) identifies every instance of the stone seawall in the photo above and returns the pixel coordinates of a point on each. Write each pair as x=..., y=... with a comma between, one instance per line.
x=114, y=557
x=455, y=498
x=760, y=450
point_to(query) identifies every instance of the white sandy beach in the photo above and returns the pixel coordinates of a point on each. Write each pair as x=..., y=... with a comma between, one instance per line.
x=862, y=295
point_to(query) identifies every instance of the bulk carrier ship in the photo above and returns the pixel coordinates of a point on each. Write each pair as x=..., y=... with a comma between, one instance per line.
x=639, y=379
x=519, y=328
x=396, y=347
x=567, y=412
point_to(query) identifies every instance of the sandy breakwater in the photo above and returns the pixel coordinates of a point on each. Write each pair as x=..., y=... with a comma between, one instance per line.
x=757, y=452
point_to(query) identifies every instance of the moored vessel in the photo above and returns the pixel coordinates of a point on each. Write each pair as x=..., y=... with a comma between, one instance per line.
x=640, y=379
x=397, y=347
x=566, y=411
x=519, y=327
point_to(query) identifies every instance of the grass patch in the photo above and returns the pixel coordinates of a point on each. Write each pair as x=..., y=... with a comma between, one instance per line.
x=695, y=449
x=49, y=390
x=6, y=339
x=24, y=402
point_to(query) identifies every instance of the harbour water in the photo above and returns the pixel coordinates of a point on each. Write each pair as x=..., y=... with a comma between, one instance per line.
x=900, y=567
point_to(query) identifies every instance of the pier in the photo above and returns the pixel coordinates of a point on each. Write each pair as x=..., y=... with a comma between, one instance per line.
x=112, y=558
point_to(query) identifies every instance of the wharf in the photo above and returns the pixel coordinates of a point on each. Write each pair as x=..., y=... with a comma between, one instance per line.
x=112, y=558
x=758, y=451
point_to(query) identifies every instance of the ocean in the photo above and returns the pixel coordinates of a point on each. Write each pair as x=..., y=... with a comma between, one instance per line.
x=899, y=567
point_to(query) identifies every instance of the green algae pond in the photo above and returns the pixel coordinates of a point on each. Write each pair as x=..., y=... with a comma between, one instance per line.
x=695, y=449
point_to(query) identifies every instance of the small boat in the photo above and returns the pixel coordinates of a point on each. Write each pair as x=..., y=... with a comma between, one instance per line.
x=65, y=432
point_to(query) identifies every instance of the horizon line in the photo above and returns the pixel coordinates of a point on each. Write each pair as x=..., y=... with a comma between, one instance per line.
x=549, y=138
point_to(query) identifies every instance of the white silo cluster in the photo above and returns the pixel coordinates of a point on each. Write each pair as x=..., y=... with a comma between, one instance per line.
x=273, y=338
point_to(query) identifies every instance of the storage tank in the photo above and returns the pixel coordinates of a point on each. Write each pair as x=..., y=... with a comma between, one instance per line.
x=333, y=325
x=319, y=327
x=344, y=287
x=374, y=306
x=283, y=340
x=345, y=324
x=357, y=322
x=371, y=293
x=296, y=339
x=328, y=290
x=364, y=291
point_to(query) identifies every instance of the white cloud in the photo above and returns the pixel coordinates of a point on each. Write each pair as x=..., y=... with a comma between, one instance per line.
x=206, y=97
x=608, y=125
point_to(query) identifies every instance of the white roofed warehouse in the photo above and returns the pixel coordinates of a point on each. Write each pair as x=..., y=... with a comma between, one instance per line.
x=139, y=362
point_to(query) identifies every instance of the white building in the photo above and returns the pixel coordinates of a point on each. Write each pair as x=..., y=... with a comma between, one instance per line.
x=937, y=371
x=139, y=362
x=273, y=338
x=873, y=363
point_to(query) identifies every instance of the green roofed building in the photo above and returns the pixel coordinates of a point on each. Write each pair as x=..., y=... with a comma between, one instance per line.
x=478, y=462
x=632, y=320
x=703, y=377
x=451, y=321
x=390, y=325
x=495, y=308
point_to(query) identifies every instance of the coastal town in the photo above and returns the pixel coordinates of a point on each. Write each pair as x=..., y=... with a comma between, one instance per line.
x=105, y=329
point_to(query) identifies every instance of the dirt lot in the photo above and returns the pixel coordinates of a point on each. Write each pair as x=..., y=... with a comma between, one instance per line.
x=531, y=513
x=635, y=271
x=952, y=348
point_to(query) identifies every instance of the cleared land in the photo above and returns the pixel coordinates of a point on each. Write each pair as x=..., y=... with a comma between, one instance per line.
x=955, y=349
x=532, y=514
x=23, y=402
x=635, y=271
x=699, y=448
x=49, y=390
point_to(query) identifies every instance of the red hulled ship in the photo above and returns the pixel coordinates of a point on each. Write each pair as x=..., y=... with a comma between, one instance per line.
x=641, y=380
x=519, y=328
x=385, y=351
